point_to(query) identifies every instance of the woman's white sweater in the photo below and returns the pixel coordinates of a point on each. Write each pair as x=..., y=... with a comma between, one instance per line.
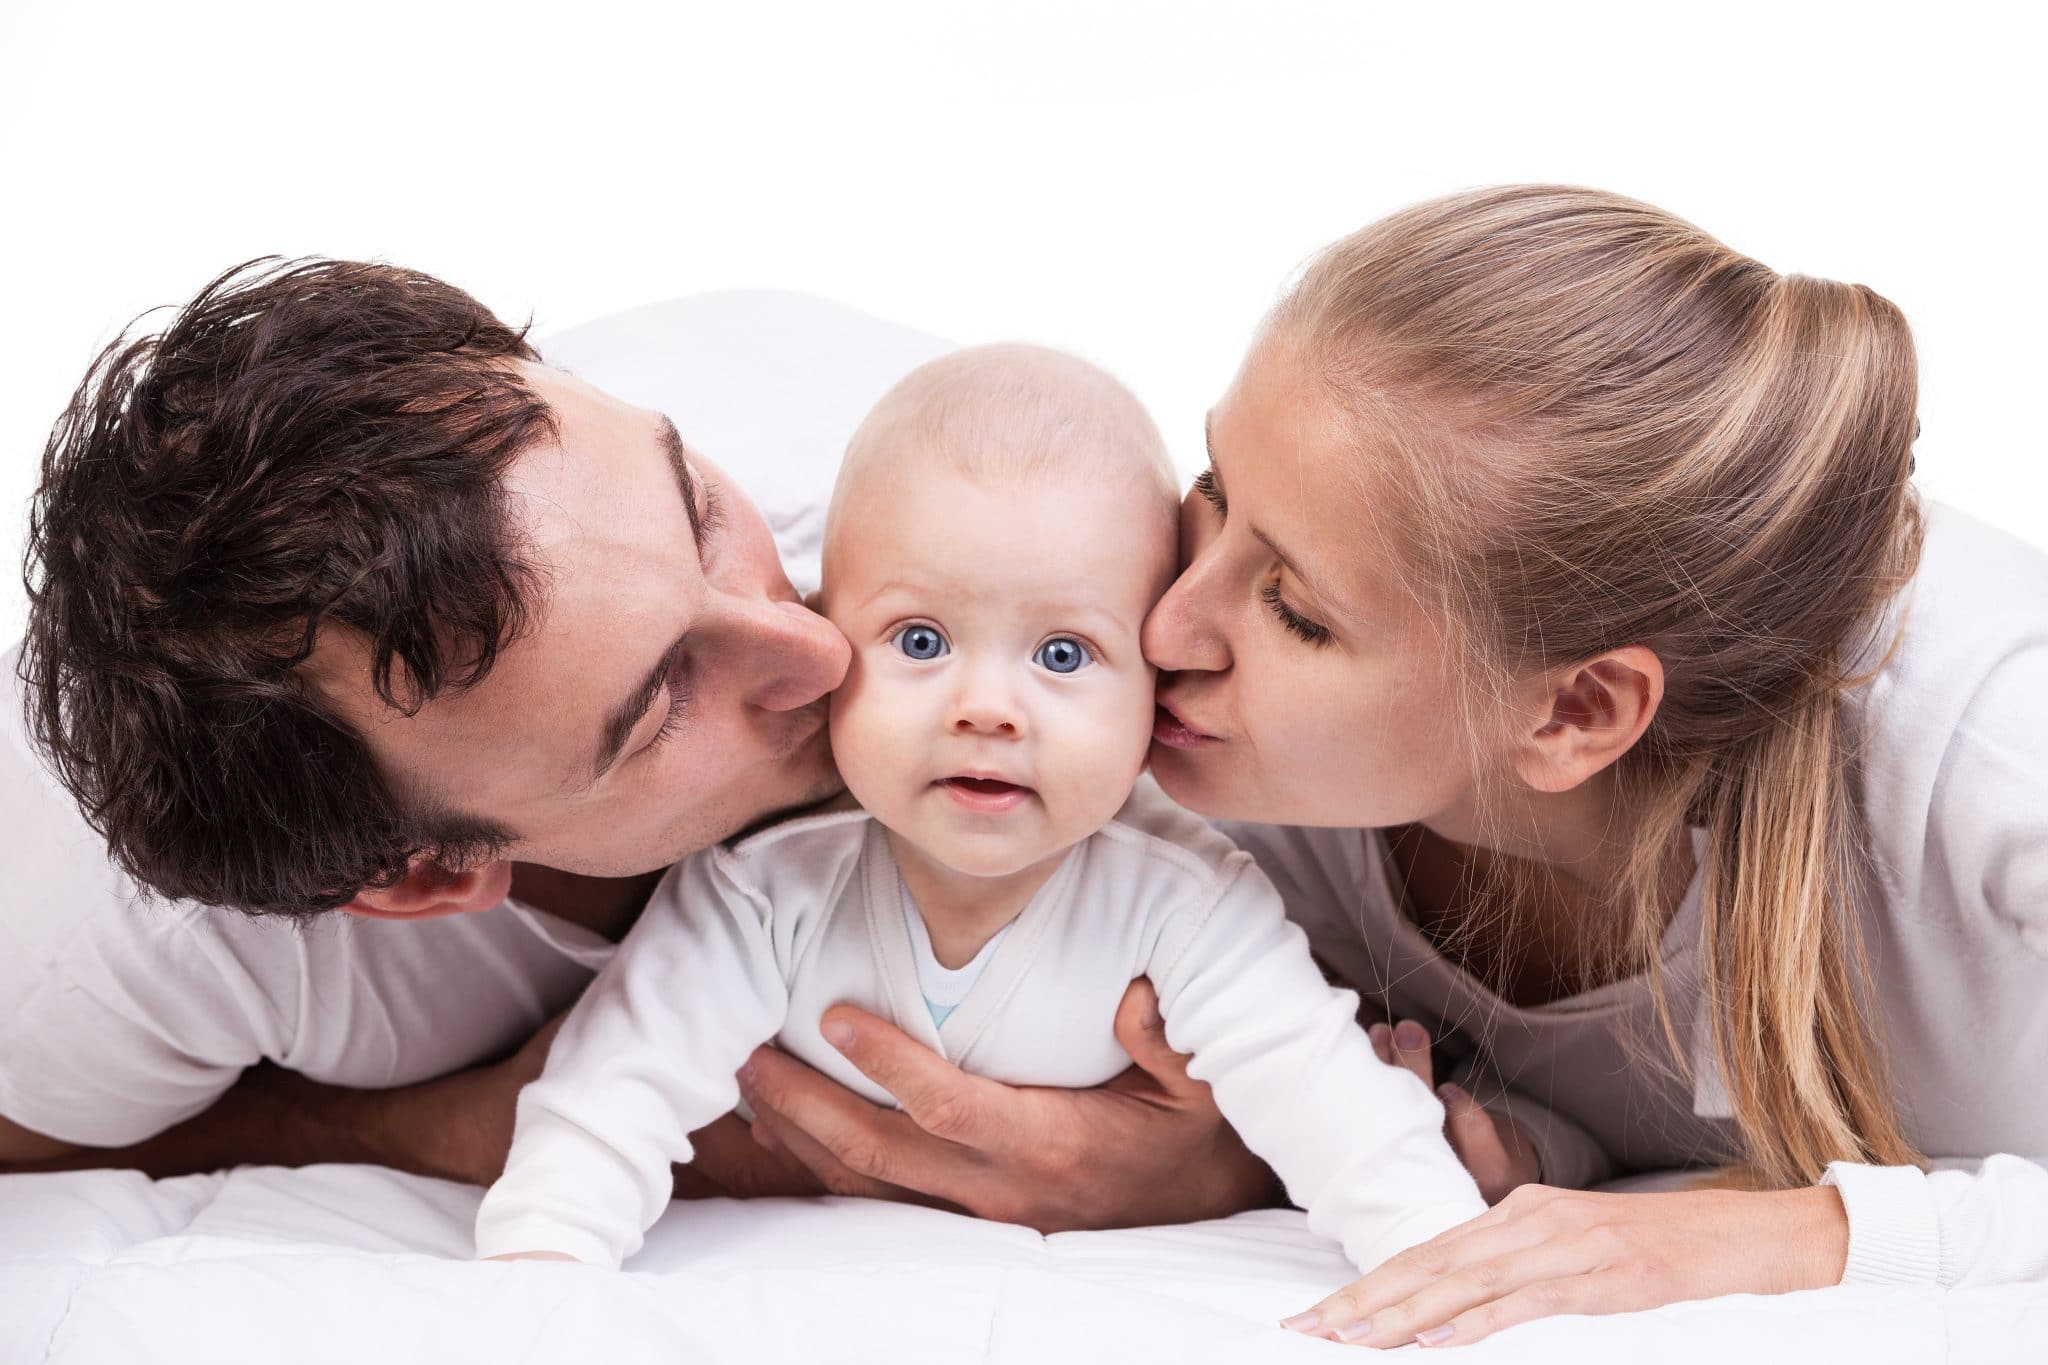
x=1954, y=775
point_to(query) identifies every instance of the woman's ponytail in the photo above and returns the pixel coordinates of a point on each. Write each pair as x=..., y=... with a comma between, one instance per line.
x=1598, y=426
x=1781, y=952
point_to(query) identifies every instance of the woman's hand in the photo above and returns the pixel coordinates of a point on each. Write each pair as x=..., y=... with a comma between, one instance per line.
x=1544, y=1251
x=1497, y=1153
x=1148, y=1147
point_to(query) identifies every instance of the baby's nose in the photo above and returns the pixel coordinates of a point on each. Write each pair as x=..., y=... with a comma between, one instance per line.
x=985, y=709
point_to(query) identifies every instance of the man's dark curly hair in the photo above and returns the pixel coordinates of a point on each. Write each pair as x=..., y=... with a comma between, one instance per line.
x=308, y=443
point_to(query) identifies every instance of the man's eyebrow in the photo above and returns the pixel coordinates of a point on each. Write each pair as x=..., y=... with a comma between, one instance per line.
x=1313, y=584
x=679, y=464
x=618, y=725
x=619, y=722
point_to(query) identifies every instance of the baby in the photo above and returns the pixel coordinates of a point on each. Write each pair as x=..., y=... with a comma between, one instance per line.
x=1004, y=519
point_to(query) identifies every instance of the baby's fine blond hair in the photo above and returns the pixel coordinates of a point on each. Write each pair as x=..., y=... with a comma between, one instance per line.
x=1006, y=413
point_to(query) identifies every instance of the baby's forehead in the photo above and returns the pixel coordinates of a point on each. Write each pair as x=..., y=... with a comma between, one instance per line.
x=1002, y=543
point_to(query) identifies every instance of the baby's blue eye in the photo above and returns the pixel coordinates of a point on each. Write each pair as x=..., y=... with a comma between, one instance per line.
x=1062, y=654
x=920, y=642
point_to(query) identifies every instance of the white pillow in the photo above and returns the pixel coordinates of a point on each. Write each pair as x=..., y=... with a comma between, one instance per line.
x=767, y=383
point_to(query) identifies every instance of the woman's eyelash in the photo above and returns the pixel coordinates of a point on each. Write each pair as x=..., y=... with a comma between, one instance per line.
x=1297, y=624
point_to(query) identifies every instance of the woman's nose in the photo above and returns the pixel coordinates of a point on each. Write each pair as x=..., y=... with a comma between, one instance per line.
x=1185, y=630
x=797, y=655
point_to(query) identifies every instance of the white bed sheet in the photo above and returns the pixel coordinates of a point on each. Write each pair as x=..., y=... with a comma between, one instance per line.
x=359, y=1264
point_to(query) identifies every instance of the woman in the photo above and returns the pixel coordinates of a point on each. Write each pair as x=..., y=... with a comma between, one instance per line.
x=1558, y=605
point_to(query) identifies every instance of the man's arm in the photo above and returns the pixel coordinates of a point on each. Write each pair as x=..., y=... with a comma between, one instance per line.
x=455, y=1127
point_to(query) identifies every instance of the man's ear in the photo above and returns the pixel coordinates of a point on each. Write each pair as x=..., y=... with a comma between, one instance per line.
x=1589, y=715
x=430, y=890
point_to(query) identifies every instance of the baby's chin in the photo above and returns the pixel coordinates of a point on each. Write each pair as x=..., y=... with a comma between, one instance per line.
x=992, y=857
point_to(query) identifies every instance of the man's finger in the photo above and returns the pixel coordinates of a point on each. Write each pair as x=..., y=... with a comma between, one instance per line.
x=1475, y=1137
x=1142, y=1033
x=941, y=1098
x=1411, y=1049
x=794, y=1143
x=877, y=1143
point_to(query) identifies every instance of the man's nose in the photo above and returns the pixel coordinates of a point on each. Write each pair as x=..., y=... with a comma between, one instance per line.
x=985, y=704
x=798, y=656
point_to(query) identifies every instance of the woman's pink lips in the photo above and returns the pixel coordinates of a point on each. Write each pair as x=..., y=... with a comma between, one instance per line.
x=1168, y=729
x=986, y=795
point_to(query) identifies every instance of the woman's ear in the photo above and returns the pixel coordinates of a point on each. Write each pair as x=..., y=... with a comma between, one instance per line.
x=1589, y=715
x=430, y=890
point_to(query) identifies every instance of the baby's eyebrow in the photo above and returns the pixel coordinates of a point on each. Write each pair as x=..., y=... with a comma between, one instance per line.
x=893, y=585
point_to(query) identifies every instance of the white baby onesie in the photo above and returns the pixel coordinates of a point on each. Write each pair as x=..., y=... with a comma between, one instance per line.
x=743, y=944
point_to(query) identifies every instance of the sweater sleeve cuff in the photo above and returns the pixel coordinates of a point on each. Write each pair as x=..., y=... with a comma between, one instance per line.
x=1894, y=1231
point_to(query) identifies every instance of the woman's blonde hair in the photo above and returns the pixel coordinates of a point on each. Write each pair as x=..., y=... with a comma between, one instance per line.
x=1593, y=425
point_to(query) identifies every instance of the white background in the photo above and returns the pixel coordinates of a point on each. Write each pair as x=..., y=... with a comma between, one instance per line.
x=1131, y=179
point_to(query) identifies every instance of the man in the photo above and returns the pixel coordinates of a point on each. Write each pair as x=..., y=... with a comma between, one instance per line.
x=341, y=601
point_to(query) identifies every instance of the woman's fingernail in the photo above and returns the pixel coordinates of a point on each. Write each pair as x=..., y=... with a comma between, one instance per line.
x=838, y=1032
x=1303, y=1322
x=1409, y=1035
x=1450, y=1095
x=1434, y=1336
x=746, y=1076
x=1380, y=1034
x=1355, y=1331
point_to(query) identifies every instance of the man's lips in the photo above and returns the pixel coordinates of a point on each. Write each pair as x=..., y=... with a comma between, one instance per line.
x=984, y=795
x=1169, y=729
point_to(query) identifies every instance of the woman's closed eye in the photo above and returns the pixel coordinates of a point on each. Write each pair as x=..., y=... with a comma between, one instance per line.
x=1297, y=625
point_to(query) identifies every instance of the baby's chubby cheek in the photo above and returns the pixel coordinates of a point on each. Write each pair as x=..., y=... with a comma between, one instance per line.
x=854, y=720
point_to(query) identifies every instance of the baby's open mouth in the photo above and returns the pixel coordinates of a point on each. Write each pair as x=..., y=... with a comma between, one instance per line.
x=984, y=793
x=990, y=786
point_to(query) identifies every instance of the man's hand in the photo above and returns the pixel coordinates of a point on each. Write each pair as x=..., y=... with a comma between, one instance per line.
x=1148, y=1147
x=1497, y=1153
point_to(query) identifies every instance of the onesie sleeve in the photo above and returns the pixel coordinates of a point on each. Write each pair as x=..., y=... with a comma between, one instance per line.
x=647, y=1057
x=1987, y=854
x=1358, y=1143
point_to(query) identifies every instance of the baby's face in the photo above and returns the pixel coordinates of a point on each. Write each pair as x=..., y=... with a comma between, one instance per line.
x=998, y=708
